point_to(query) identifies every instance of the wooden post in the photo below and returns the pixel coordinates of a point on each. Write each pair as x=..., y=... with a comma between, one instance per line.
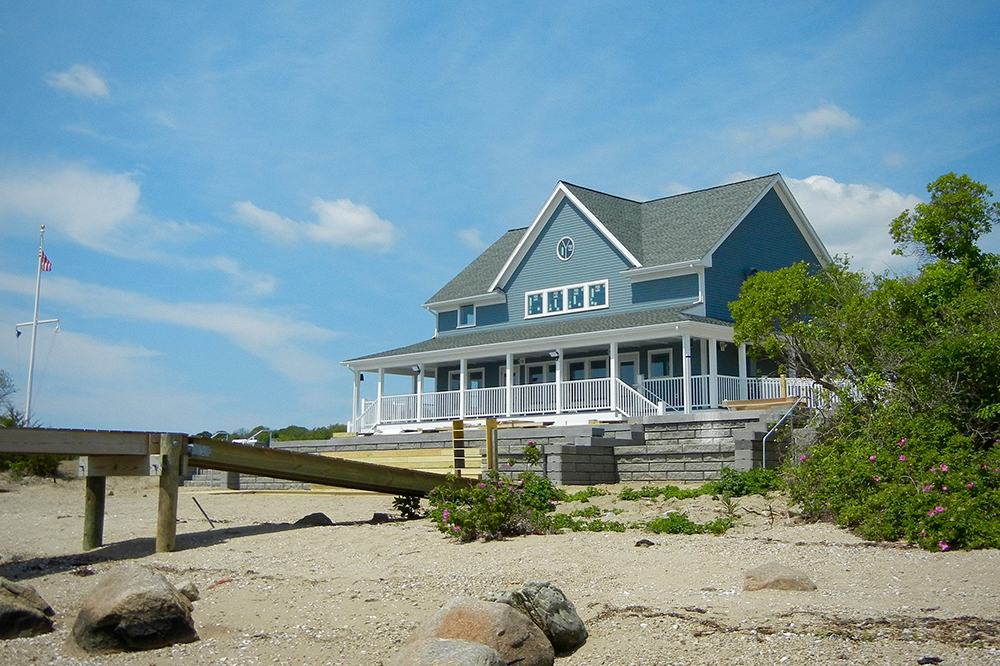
x=172, y=447
x=93, y=512
x=492, y=461
x=458, y=445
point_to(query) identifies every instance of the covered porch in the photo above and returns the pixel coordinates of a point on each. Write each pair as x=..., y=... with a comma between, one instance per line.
x=610, y=375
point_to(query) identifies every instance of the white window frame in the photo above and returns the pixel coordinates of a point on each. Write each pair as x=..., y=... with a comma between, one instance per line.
x=455, y=376
x=459, y=323
x=649, y=362
x=544, y=293
x=588, y=370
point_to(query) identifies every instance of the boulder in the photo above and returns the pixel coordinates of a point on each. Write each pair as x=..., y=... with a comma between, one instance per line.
x=494, y=625
x=447, y=652
x=774, y=576
x=23, y=612
x=317, y=519
x=133, y=608
x=547, y=606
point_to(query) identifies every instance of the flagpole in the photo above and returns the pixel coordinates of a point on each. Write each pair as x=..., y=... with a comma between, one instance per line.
x=34, y=329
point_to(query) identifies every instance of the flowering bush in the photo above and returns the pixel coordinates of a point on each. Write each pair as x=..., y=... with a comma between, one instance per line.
x=908, y=477
x=495, y=508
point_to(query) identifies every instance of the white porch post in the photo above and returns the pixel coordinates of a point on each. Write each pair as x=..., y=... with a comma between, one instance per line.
x=420, y=391
x=613, y=360
x=355, y=400
x=686, y=364
x=743, y=371
x=381, y=392
x=559, y=380
x=463, y=373
x=713, y=373
x=509, y=384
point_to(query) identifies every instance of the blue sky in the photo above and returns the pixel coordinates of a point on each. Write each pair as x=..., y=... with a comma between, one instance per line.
x=239, y=196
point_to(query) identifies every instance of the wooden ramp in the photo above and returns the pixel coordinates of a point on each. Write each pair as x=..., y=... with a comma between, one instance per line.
x=109, y=453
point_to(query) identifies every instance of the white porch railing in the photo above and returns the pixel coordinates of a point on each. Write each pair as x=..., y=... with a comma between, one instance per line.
x=581, y=395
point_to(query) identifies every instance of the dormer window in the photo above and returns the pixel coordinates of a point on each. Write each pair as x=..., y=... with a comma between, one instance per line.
x=466, y=316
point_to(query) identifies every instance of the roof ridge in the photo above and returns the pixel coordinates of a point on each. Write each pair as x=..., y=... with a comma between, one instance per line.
x=714, y=187
x=590, y=189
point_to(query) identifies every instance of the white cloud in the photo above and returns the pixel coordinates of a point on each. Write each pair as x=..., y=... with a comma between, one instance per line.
x=853, y=219
x=101, y=210
x=283, y=343
x=472, y=238
x=340, y=222
x=815, y=124
x=80, y=80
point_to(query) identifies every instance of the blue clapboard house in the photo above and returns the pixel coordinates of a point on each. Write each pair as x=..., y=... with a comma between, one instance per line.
x=602, y=308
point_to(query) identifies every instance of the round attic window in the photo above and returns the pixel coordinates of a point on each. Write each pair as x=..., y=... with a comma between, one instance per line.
x=564, y=249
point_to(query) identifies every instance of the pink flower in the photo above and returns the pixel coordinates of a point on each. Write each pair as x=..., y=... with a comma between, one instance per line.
x=552, y=501
x=802, y=458
x=944, y=468
x=969, y=485
x=444, y=516
x=930, y=513
x=926, y=488
x=482, y=485
x=923, y=533
x=529, y=512
x=939, y=509
x=872, y=458
x=901, y=442
x=934, y=469
x=944, y=488
x=943, y=545
x=902, y=458
x=457, y=528
x=877, y=479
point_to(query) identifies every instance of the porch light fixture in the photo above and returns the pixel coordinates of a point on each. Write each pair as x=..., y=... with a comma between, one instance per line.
x=554, y=354
x=415, y=368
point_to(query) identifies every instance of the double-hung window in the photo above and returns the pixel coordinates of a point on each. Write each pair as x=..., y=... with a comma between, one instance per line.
x=570, y=298
x=466, y=316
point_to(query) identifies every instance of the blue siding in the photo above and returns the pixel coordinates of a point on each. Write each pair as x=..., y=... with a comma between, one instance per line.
x=683, y=288
x=766, y=240
x=489, y=315
x=447, y=321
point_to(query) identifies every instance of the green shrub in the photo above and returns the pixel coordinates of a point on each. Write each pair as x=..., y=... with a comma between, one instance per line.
x=757, y=481
x=20, y=465
x=495, y=508
x=678, y=523
x=585, y=495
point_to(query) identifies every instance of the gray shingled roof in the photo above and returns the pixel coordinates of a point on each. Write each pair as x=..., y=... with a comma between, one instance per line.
x=683, y=227
x=546, y=329
x=475, y=279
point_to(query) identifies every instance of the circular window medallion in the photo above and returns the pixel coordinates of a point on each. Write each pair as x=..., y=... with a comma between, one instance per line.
x=564, y=250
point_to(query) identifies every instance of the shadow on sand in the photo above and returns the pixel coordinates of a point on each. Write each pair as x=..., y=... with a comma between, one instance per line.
x=132, y=549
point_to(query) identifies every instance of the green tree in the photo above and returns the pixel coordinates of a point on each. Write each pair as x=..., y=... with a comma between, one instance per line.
x=949, y=226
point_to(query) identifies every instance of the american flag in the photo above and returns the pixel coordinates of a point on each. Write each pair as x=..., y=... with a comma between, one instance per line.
x=46, y=264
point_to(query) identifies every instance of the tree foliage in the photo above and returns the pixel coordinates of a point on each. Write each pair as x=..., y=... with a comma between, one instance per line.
x=911, y=358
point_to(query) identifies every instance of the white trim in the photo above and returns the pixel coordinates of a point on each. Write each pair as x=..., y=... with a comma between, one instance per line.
x=560, y=193
x=588, y=365
x=492, y=298
x=628, y=357
x=798, y=217
x=649, y=363
x=458, y=322
x=647, y=273
x=572, y=248
x=544, y=293
x=453, y=374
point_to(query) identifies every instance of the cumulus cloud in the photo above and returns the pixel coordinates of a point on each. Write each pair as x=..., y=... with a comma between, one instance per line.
x=340, y=222
x=853, y=219
x=472, y=238
x=101, y=211
x=285, y=344
x=80, y=80
x=815, y=124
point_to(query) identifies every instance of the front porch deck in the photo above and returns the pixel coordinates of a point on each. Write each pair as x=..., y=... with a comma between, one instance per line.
x=604, y=398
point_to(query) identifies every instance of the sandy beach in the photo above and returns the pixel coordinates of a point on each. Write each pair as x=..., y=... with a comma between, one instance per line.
x=352, y=592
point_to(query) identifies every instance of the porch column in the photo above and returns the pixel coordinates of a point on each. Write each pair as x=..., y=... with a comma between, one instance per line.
x=420, y=391
x=613, y=359
x=355, y=400
x=559, y=379
x=713, y=373
x=686, y=365
x=463, y=373
x=743, y=371
x=509, y=383
x=379, y=394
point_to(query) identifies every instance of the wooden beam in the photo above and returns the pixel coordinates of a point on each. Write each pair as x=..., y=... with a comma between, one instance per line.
x=172, y=447
x=48, y=441
x=119, y=465
x=309, y=468
x=93, y=513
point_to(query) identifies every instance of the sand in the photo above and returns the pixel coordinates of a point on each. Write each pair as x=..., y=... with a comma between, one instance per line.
x=352, y=592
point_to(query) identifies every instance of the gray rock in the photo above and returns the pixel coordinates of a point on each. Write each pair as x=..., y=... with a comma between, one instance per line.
x=447, y=652
x=774, y=576
x=23, y=612
x=133, y=608
x=494, y=625
x=317, y=519
x=189, y=590
x=547, y=606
